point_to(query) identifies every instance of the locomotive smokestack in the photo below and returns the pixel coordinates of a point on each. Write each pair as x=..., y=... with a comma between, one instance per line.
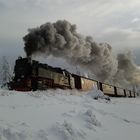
x=29, y=59
x=61, y=39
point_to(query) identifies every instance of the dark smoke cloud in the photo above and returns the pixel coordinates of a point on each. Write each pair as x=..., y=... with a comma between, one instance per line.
x=61, y=39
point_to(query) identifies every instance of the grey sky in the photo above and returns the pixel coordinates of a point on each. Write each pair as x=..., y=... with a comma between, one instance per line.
x=116, y=22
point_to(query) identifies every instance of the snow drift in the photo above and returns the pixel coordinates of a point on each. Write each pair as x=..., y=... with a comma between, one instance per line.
x=62, y=115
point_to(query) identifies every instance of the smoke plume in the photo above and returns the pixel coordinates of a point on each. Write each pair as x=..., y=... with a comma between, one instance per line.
x=61, y=39
x=128, y=72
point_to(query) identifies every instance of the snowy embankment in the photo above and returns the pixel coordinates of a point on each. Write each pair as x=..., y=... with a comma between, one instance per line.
x=60, y=115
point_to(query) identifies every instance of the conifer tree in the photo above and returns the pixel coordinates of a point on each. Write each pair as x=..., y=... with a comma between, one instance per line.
x=5, y=72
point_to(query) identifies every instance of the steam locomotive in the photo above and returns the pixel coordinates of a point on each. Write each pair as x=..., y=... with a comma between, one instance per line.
x=32, y=75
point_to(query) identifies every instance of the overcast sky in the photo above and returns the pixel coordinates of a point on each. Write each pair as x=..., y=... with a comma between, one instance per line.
x=116, y=22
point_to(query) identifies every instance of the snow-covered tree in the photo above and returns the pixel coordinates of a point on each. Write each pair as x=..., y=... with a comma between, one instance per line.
x=5, y=72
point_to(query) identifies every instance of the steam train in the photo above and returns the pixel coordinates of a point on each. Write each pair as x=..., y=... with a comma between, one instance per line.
x=32, y=75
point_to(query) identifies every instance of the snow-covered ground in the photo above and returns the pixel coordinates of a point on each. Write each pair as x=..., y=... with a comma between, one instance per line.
x=61, y=115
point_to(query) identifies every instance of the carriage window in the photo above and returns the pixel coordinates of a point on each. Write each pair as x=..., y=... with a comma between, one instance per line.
x=82, y=81
x=64, y=73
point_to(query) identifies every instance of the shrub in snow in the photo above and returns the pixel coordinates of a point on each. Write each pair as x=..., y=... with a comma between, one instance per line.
x=41, y=135
x=66, y=131
x=13, y=134
x=96, y=94
x=91, y=119
x=9, y=134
